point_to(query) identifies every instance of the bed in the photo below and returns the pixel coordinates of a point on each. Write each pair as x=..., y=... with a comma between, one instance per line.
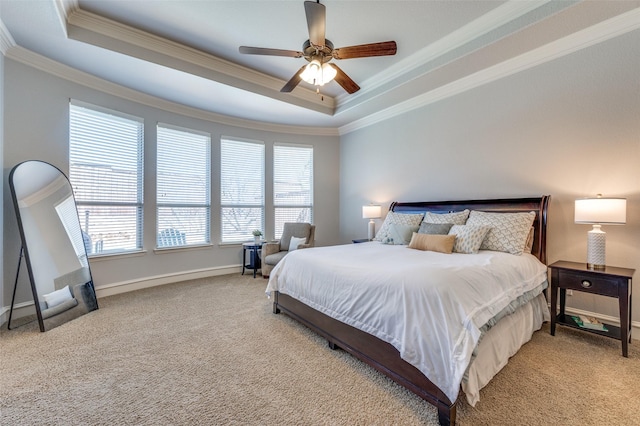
x=338, y=292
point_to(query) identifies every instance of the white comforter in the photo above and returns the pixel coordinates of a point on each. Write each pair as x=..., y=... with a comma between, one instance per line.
x=429, y=306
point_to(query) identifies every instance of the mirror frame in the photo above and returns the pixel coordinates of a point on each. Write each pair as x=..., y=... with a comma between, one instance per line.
x=27, y=257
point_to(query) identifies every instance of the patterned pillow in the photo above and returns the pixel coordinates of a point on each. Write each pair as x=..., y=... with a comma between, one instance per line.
x=509, y=231
x=435, y=228
x=399, y=234
x=468, y=237
x=410, y=219
x=528, y=247
x=457, y=218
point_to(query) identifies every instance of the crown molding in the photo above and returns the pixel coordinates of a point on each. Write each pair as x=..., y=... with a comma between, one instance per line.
x=65, y=72
x=469, y=32
x=115, y=36
x=605, y=30
x=6, y=40
x=64, y=9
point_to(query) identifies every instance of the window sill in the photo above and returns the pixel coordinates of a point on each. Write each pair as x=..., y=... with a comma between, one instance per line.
x=112, y=256
x=165, y=250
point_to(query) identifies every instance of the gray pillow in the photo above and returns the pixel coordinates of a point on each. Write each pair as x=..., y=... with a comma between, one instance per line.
x=399, y=234
x=434, y=228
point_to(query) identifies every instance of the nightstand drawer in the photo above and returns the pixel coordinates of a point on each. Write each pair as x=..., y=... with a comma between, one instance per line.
x=589, y=283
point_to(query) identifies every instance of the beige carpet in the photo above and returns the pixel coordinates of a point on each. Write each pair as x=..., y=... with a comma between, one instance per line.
x=210, y=352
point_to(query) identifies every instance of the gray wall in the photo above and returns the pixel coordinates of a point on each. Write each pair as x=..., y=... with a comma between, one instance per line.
x=569, y=128
x=36, y=118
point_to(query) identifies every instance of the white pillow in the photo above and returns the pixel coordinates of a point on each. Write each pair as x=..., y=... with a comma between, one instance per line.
x=295, y=242
x=58, y=297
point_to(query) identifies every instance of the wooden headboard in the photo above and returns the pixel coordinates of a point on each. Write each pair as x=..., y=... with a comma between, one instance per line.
x=507, y=205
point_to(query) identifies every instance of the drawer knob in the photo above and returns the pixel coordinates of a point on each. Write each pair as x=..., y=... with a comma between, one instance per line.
x=586, y=283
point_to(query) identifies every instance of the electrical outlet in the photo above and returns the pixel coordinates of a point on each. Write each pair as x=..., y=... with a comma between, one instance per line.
x=569, y=292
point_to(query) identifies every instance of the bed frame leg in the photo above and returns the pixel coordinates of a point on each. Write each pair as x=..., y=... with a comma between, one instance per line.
x=446, y=414
x=332, y=345
x=276, y=310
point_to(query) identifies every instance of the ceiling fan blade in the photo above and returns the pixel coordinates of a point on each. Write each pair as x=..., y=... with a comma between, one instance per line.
x=385, y=48
x=316, y=22
x=272, y=52
x=344, y=80
x=295, y=80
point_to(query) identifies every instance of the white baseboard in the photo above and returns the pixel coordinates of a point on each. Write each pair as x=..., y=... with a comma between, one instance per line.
x=635, y=325
x=19, y=310
x=27, y=308
x=146, y=282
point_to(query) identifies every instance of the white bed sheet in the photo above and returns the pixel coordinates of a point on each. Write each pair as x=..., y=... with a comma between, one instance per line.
x=429, y=306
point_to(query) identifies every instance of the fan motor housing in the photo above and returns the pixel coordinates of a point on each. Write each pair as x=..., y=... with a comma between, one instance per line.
x=323, y=55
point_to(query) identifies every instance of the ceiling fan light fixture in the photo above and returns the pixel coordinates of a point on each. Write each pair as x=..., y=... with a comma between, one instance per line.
x=328, y=72
x=317, y=74
x=318, y=50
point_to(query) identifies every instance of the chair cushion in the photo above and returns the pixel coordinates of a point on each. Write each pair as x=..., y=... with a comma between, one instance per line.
x=274, y=258
x=294, y=230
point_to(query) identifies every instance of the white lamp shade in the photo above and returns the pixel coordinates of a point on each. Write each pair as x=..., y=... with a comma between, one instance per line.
x=371, y=212
x=599, y=211
x=605, y=211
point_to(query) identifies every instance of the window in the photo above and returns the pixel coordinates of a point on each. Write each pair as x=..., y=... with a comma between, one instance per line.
x=292, y=185
x=241, y=189
x=106, y=173
x=183, y=187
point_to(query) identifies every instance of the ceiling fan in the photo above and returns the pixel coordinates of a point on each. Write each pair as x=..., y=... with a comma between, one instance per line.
x=319, y=51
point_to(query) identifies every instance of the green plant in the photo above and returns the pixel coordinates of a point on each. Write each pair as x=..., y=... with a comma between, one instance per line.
x=257, y=233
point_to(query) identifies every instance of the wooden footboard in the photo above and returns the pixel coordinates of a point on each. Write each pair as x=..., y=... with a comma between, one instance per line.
x=378, y=354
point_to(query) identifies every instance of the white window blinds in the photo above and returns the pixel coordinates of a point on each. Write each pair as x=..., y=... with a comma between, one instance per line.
x=68, y=215
x=292, y=185
x=241, y=189
x=183, y=187
x=106, y=173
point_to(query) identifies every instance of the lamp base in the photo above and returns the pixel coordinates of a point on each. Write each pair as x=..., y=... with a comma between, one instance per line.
x=372, y=229
x=596, y=243
x=596, y=267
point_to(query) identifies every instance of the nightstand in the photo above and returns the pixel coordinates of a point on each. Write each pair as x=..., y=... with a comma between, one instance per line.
x=611, y=281
x=254, y=257
x=360, y=240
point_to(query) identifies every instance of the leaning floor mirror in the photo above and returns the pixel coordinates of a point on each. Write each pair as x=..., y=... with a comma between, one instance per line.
x=53, y=244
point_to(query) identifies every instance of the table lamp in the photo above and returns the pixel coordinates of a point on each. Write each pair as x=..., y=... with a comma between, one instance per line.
x=599, y=211
x=371, y=212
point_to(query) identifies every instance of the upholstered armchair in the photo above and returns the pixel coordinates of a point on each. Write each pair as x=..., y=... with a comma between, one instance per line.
x=273, y=252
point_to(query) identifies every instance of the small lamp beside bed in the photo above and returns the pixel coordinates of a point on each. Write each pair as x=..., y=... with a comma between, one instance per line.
x=599, y=211
x=371, y=212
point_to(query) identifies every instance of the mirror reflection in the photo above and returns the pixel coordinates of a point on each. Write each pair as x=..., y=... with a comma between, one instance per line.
x=55, y=246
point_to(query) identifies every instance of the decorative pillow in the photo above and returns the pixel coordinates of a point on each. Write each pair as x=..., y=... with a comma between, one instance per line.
x=509, y=231
x=434, y=228
x=528, y=247
x=457, y=218
x=57, y=297
x=399, y=234
x=295, y=242
x=468, y=237
x=411, y=219
x=432, y=242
